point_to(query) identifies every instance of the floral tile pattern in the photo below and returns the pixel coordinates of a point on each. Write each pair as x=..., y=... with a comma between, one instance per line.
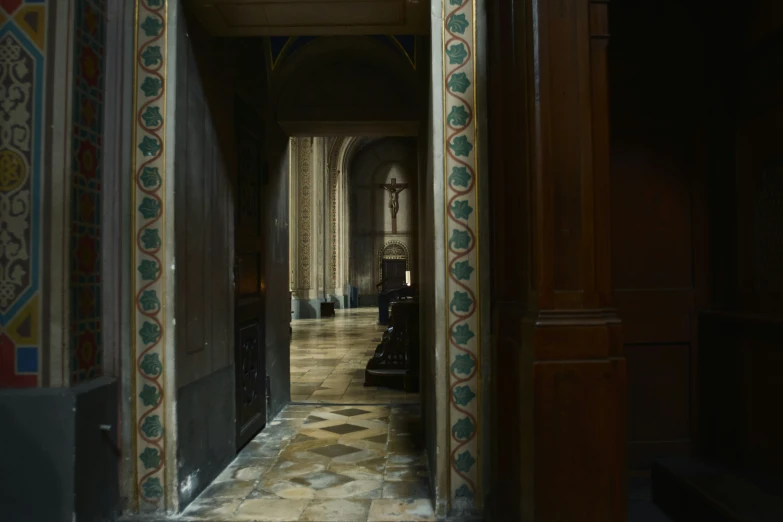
x=328, y=357
x=326, y=463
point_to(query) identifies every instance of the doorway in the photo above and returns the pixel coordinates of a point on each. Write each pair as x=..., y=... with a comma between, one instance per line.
x=377, y=68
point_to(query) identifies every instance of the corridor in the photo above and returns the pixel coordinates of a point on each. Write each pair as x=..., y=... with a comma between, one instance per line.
x=336, y=463
x=328, y=357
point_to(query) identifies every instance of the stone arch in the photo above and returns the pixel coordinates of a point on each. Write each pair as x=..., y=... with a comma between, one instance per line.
x=338, y=212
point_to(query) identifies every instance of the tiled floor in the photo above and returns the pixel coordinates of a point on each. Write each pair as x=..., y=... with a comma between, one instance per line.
x=328, y=357
x=326, y=463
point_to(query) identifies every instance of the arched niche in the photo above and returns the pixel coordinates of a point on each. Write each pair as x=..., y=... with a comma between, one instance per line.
x=393, y=250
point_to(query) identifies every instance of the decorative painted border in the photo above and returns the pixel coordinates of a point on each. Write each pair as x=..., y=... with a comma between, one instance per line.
x=462, y=287
x=305, y=150
x=23, y=33
x=149, y=106
x=89, y=65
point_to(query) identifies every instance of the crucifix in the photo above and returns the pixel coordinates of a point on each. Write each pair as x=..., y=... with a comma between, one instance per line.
x=394, y=204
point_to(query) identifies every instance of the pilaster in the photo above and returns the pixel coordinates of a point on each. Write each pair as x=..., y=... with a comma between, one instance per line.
x=152, y=255
x=555, y=330
x=461, y=178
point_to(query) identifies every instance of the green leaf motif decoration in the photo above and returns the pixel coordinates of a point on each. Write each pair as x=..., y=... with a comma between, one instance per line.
x=459, y=177
x=151, y=26
x=151, y=239
x=459, y=82
x=462, y=270
x=152, y=55
x=150, y=457
x=464, y=462
x=461, y=302
x=458, y=23
x=152, y=116
x=152, y=488
x=150, y=177
x=456, y=2
x=151, y=86
x=461, y=146
x=461, y=209
x=463, y=395
x=459, y=239
x=458, y=117
x=462, y=334
x=464, y=492
x=152, y=427
x=149, y=208
x=463, y=429
x=149, y=332
x=149, y=301
x=148, y=270
x=463, y=363
x=149, y=395
x=149, y=146
x=155, y=3
x=151, y=365
x=456, y=54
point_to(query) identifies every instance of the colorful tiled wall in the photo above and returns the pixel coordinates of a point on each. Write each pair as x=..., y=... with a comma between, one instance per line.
x=23, y=34
x=86, y=174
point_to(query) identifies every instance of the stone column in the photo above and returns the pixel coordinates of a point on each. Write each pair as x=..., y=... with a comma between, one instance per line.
x=561, y=377
x=307, y=227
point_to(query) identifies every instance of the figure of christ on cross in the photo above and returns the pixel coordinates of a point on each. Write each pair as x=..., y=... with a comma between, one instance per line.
x=394, y=204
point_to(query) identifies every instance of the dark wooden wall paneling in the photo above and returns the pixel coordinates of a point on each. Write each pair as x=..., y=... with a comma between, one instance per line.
x=658, y=170
x=741, y=340
x=560, y=391
x=204, y=177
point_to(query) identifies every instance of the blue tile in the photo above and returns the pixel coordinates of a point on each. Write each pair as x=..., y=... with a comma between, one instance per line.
x=27, y=360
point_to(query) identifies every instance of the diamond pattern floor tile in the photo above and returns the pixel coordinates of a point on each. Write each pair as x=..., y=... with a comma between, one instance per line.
x=351, y=412
x=328, y=358
x=335, y=450
x=344, y=429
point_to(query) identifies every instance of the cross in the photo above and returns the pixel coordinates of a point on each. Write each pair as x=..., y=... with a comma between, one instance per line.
x=394, y=205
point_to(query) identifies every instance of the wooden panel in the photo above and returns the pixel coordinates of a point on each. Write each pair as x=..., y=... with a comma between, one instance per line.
x=740, y=360
x=657, y=225
x=764, y=426
x=561, y=387
x=659, y=380
x=576, y=433
x=250, y=352
x=656, y=316
x=204, y=312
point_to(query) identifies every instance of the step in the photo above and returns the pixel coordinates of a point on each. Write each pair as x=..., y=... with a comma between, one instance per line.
x=689, y=490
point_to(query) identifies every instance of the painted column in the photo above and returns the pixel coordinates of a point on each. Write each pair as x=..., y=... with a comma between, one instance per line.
x=461, y=188
x=152, y=255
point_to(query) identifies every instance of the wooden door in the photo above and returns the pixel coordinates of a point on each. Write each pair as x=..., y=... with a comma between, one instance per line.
x=249, y=358
x=393, y=274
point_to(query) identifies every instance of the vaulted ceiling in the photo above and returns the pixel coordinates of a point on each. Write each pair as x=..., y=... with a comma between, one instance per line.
x=311, y=17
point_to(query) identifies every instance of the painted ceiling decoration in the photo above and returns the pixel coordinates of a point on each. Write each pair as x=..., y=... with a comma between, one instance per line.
x=282, y=47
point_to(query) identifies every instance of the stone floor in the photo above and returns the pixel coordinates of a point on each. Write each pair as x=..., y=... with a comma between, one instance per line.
x=326, y=463
x=328, y=357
